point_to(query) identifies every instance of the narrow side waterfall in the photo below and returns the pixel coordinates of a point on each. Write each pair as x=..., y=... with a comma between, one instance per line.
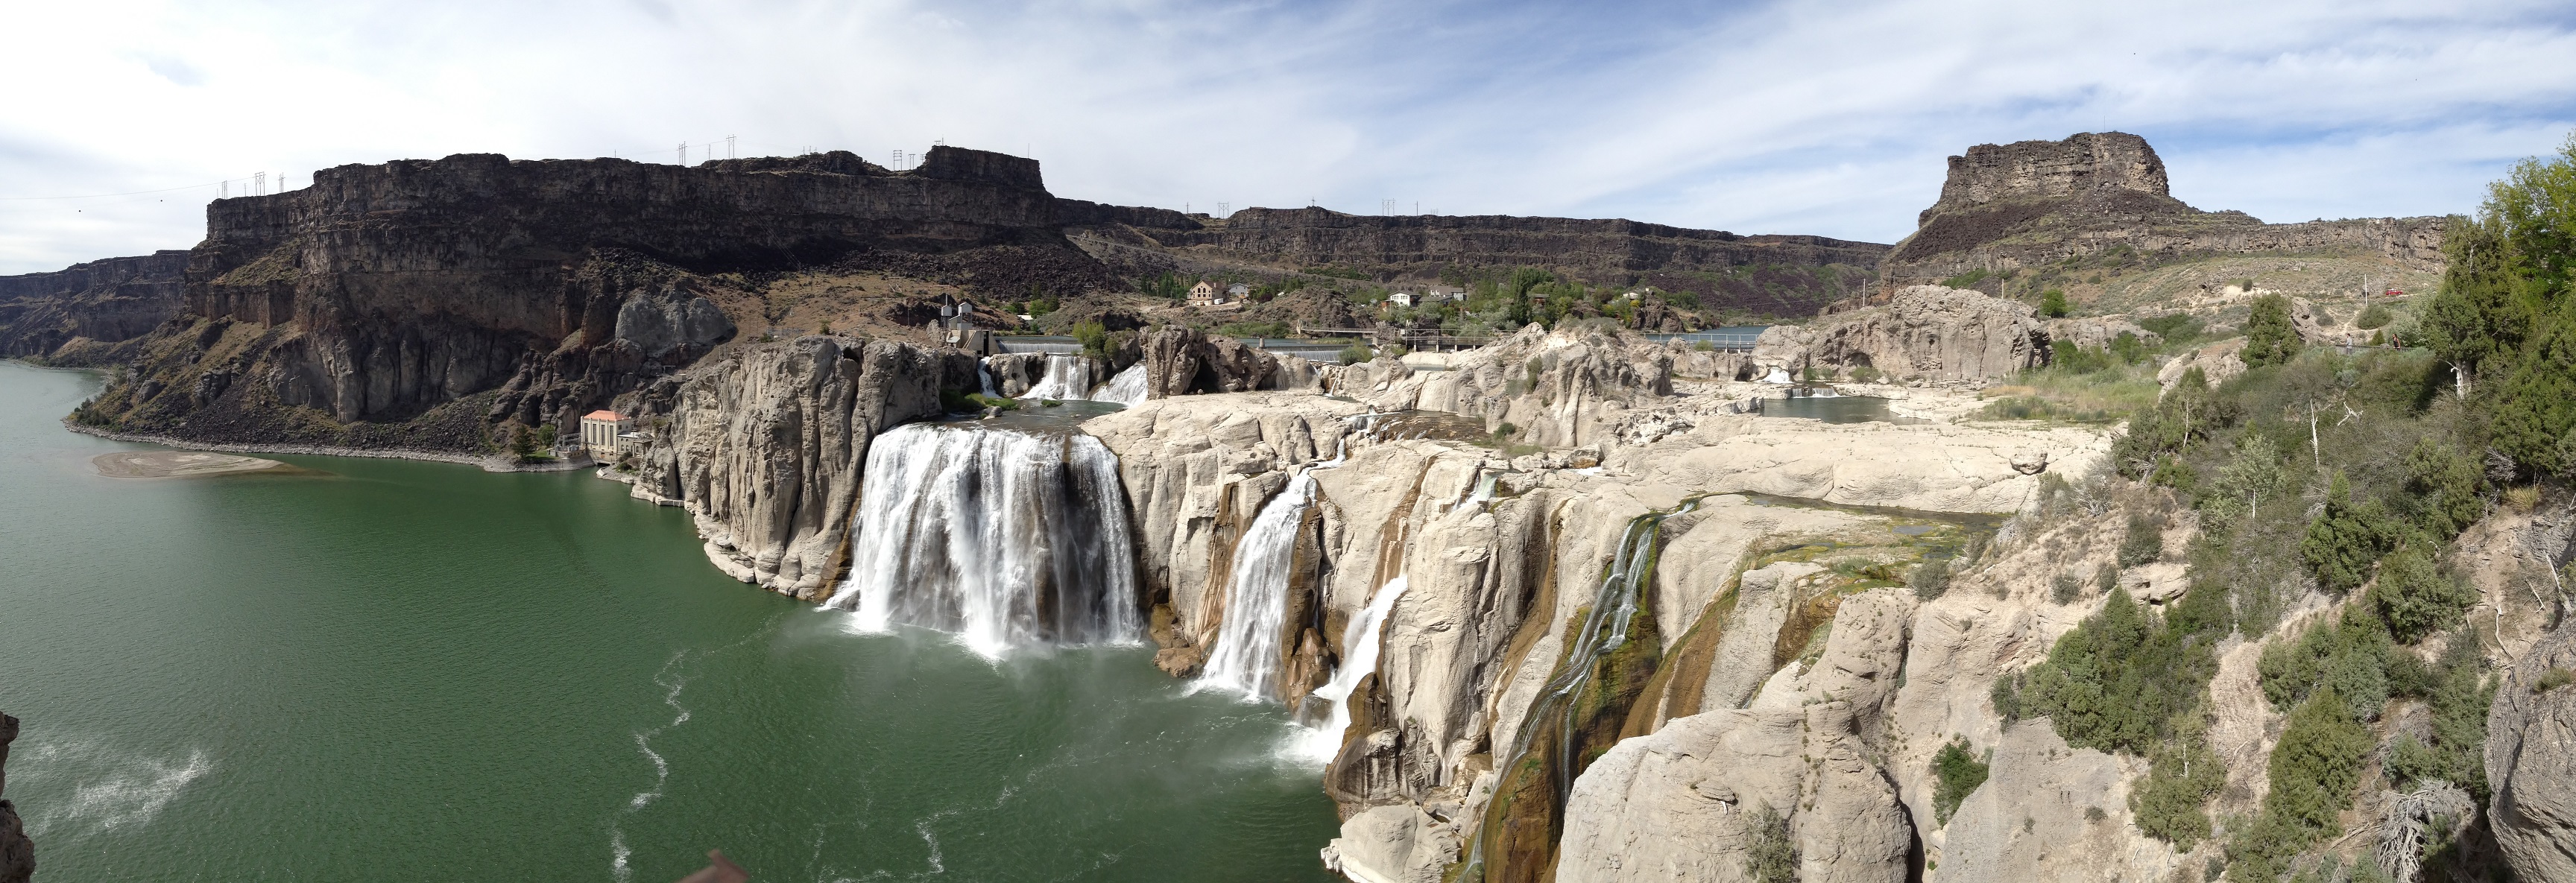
x=1245, y=659
x=1067, y=378
x=1548, y=728
x=1006, y=537
x=1360, y=641
x=1128, y=388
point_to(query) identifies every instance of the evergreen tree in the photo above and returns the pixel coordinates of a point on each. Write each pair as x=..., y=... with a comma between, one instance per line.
x=2269, y=337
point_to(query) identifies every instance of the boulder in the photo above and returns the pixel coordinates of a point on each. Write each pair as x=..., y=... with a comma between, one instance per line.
x=17, y=854
x=1925, y=331
x=2531, y=762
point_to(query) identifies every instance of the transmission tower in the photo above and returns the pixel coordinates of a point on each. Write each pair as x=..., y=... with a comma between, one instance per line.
x=684, y=153
x=729, y=147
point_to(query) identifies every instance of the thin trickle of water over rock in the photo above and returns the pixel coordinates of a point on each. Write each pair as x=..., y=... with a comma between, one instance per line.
x=1547, y=743
x=1003, y=536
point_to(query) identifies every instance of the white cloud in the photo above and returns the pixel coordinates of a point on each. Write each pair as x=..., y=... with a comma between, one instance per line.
x=1799, y=118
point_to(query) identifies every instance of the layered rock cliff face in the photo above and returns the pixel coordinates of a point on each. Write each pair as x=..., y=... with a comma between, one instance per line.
x=66, y=315
x=765, y=447
x=1768, y=274
x=17, y=855
x=2032, y=203
x=1923, y=332
x=2531, y=758
x=384, y=292
x=1503, y=557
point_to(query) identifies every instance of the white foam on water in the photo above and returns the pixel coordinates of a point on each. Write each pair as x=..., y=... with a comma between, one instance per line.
x=113, y=788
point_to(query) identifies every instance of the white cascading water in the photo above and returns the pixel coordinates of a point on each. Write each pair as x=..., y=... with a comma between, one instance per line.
x=1360, y=641
x=1245, y=659
x=1128, y=388
x=1068, y=378
x=1004, y=537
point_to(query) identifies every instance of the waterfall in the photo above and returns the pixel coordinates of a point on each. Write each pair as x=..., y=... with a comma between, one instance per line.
x=1360, y=641
x=1128, y=388
x=1246, y=656
x=1068, y=378
x=1003, y=536
x=1603, y=631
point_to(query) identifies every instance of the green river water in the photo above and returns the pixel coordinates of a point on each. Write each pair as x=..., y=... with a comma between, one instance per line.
x=421, y=671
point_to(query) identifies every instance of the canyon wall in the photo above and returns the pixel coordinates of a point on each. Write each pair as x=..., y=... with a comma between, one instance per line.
x=17, y=854
x=383, y=293
x=2034, y=203
x=51, y=315
x=764, y=446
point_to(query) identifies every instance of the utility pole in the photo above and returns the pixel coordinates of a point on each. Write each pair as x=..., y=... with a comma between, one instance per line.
x=729, y=147
x=684, y=153
x=1224, y=208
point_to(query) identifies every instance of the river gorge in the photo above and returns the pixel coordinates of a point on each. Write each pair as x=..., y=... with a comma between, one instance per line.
x=396, y=670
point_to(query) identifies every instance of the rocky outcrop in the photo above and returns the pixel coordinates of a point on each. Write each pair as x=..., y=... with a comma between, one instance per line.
x=1182, y=361
x=1555, y=389
x=1686, y=802
x=17, y=855
x=2531, y=761
x=554, y=285
x=2031, y=203
x=765, y=447
x=109, y=301
x=1924, y=332
x=1419, y=243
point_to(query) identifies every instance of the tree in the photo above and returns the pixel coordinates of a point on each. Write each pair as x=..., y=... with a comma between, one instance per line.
x=2416, y=597
x=1773, y=856
x=2052, y=303
x=1958, y=773
x=2269, y=337
x=2343, y=543
x=2144, y=541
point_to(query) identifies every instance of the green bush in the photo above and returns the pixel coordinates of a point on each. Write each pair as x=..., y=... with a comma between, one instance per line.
x=1773, y=856
x=1965, y=280
x=2345, y=541
x=2143, y=542
x=2118, y=680
x=2446, y=483
x=1357, y=353
x=2065, y=356
x=1959, y=772
x=1094, y=338
x=2129, y=348
x=1865, y=374
x=2065, y=588
x=2372, y=317
x=2314, y=770
x=2052, y=303
x=1929, y=579
x=1253, y=329
x=2269, y=337
x=2171, y=804
x=2349, y=654
x=2416, y=597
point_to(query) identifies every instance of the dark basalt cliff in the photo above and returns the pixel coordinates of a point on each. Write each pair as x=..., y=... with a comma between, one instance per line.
x=2029, y=203
x=385, y=293
x=48, y=315
x=1605, y=251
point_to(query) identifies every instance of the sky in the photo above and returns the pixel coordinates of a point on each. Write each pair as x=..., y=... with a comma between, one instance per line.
x=1827, y=119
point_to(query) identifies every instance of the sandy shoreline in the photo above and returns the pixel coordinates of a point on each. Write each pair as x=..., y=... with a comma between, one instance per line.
x=186, y=464
x=489, y=462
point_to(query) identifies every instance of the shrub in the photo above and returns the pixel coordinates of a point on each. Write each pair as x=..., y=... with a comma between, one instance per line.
x=2372, y=317
x=2553, y=679
x=2144, y=541
x=2445, y=483
x=2269, y=337
x=1959, y=772
x=2065, y=589
x=2416, y=597
x=1865, y=374
x=1773, y=856
x=2118, y=680
x=2129, y=348
x=2349, y=654
x=2343, y=543
x=2169, y=805
x=2052, y=303
x=1094, y=338
x=1357, y=353
x=2313, y=771
x=1930, y=579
